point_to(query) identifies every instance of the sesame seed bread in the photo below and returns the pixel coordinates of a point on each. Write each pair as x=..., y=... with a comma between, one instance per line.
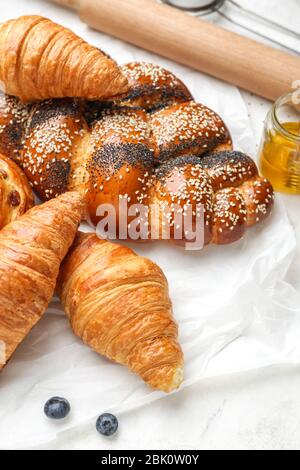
x=227, y=184
x=13, y=117
x=180, y=154
x=187, y=129
x=153, y=87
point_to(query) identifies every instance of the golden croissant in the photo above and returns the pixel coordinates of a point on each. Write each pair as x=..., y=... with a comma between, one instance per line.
x=40, y=59
x=31, y=250
x=118, y=303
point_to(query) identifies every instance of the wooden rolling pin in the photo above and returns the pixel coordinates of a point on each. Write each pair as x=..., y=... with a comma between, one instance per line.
x=167, y=31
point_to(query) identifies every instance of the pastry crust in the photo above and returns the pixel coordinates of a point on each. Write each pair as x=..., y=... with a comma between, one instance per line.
x=118, y=303
x=40, y=59
x=31, y=250
x=16, y=195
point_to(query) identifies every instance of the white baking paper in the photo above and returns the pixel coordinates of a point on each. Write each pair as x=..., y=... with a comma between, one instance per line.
x=235, y=310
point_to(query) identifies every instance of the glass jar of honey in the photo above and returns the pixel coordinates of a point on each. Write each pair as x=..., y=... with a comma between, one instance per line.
x=280, y=146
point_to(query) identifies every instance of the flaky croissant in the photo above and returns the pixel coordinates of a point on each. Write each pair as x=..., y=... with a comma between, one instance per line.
x=16, y=195
x=118, y=303
x=31, y=250
x=40, y=59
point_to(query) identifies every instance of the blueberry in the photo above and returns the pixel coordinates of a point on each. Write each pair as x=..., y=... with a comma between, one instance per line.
x=107, y=424
x=57, y=408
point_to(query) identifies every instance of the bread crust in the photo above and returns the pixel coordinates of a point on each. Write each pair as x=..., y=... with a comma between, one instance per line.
x=227, y=185
x=188, y=129
x=111, y=153
x=152, y=87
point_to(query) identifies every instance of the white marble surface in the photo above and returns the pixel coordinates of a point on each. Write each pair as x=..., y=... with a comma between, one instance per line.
x=253, y=410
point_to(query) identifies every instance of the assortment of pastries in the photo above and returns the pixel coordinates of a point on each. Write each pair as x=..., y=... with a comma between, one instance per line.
x=82, y=132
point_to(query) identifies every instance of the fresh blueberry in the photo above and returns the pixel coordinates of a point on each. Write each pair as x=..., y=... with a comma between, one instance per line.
x=107, y=424
x=57, y=408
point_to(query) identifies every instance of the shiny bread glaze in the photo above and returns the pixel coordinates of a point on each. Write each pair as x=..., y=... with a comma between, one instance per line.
x=108, y=151
x=188, y=129
x=153, y=87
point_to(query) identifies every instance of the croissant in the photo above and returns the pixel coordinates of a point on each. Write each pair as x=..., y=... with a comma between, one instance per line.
x=16, y=195
x=118, y=303
x=31, y=250
x=40, y=59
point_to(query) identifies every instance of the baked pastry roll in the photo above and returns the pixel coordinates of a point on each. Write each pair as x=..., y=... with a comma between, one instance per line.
x=118, y=304
x=40, y=59
x=226, y=185
x=31, y=250
x=16, y=195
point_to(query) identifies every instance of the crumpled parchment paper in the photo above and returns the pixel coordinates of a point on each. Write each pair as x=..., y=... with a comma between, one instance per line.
x=235, y=310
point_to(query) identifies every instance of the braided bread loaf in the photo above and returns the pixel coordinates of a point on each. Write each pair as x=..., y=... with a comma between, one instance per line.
x=156, y=147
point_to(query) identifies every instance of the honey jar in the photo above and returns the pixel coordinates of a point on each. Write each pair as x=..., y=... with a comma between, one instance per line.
x=280, y=147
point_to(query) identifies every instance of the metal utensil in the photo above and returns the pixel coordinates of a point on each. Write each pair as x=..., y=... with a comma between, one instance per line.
x=205, y=7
